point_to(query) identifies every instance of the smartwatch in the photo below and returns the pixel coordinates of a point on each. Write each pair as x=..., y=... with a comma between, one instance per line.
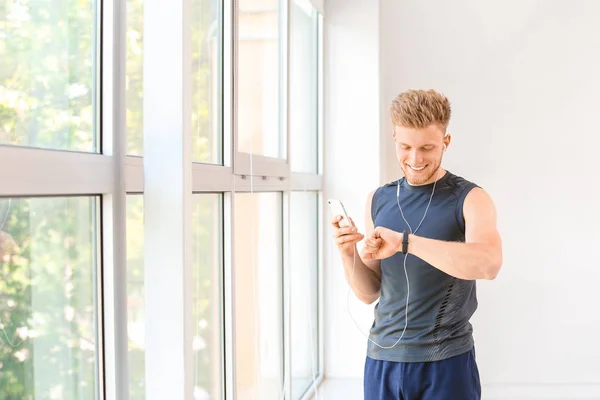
x=405, y=242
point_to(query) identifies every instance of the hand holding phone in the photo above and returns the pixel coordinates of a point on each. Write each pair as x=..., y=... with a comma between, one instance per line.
x=338, y=209
x=346, y=235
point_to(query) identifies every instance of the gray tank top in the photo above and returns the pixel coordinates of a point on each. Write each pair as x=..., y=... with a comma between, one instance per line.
x=440, y=306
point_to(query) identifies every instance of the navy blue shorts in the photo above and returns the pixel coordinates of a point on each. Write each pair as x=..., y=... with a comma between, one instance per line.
x=455, y=378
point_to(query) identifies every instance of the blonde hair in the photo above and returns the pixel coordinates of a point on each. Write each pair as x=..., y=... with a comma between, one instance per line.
x=420, y=108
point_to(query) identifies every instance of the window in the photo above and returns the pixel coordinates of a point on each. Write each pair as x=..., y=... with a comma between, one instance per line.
x=48, y=74
x=141, y=251
x=259, y=78
x=207, y=343
x=136, y=332
x=207, y=40
x=258, y=266
x=134, y=79
x=207, y=81
x=303, y=87
x=304, y=259
x=207, y=259
x=49, y=345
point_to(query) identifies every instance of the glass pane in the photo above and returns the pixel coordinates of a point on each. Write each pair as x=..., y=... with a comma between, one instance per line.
x=135, y=297
x=304, y=259
x=206, y=80
x=207, y=247
x=48, y=298
x=258, y=296
x=206, y=75
x=303, y=87
x=48, y=79
x=259, y=125
x=134, y=77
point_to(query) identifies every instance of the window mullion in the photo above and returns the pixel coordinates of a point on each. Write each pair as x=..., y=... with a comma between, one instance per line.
x=40, y=172
x=168, y=199
x=114, y=273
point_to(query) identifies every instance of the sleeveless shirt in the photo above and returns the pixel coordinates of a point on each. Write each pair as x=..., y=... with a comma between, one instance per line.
x=439, y=306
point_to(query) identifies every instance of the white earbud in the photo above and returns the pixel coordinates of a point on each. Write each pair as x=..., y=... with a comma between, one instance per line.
x=445, y=147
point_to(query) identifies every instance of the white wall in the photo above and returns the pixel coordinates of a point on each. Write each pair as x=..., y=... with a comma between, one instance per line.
x=523, y=80
x=351, y=162
x=319, y=5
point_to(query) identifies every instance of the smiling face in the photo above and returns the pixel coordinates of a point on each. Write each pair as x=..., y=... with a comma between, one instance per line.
x=420, y=152
x=420, y=119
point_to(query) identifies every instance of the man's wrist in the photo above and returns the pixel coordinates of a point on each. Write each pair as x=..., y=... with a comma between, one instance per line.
x=404, y=239
x=350, y=254
x=407, y=237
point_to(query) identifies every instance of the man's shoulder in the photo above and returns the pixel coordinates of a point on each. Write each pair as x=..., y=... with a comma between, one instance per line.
x=385, y=186
x=459, y=182
x=383, y=191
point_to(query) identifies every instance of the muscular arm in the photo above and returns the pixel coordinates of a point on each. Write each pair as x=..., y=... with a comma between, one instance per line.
x=366, y=283
x=480, y=257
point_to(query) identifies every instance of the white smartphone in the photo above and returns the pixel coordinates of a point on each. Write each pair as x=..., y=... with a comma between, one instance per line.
x=337, y=208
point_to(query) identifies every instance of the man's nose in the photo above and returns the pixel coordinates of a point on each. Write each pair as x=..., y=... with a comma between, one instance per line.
x=415, y=158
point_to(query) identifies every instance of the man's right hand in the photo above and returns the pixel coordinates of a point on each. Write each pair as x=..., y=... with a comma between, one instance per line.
x=346, y=237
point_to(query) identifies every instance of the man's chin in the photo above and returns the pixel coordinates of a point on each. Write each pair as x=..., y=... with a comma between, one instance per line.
x=417, y=182
x=416, y=179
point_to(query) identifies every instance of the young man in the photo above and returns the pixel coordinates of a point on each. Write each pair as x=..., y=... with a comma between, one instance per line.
x=429, y=236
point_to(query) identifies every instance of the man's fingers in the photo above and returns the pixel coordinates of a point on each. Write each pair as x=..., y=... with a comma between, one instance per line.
x=370, y=255
x=344, y=231
x=373, y=242
x=347, y=231
x=371, y=249
x=335, y=221
x=357, y=237
x=376, y=233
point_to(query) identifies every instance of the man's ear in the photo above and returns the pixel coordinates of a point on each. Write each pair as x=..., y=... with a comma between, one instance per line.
x=447, y=140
